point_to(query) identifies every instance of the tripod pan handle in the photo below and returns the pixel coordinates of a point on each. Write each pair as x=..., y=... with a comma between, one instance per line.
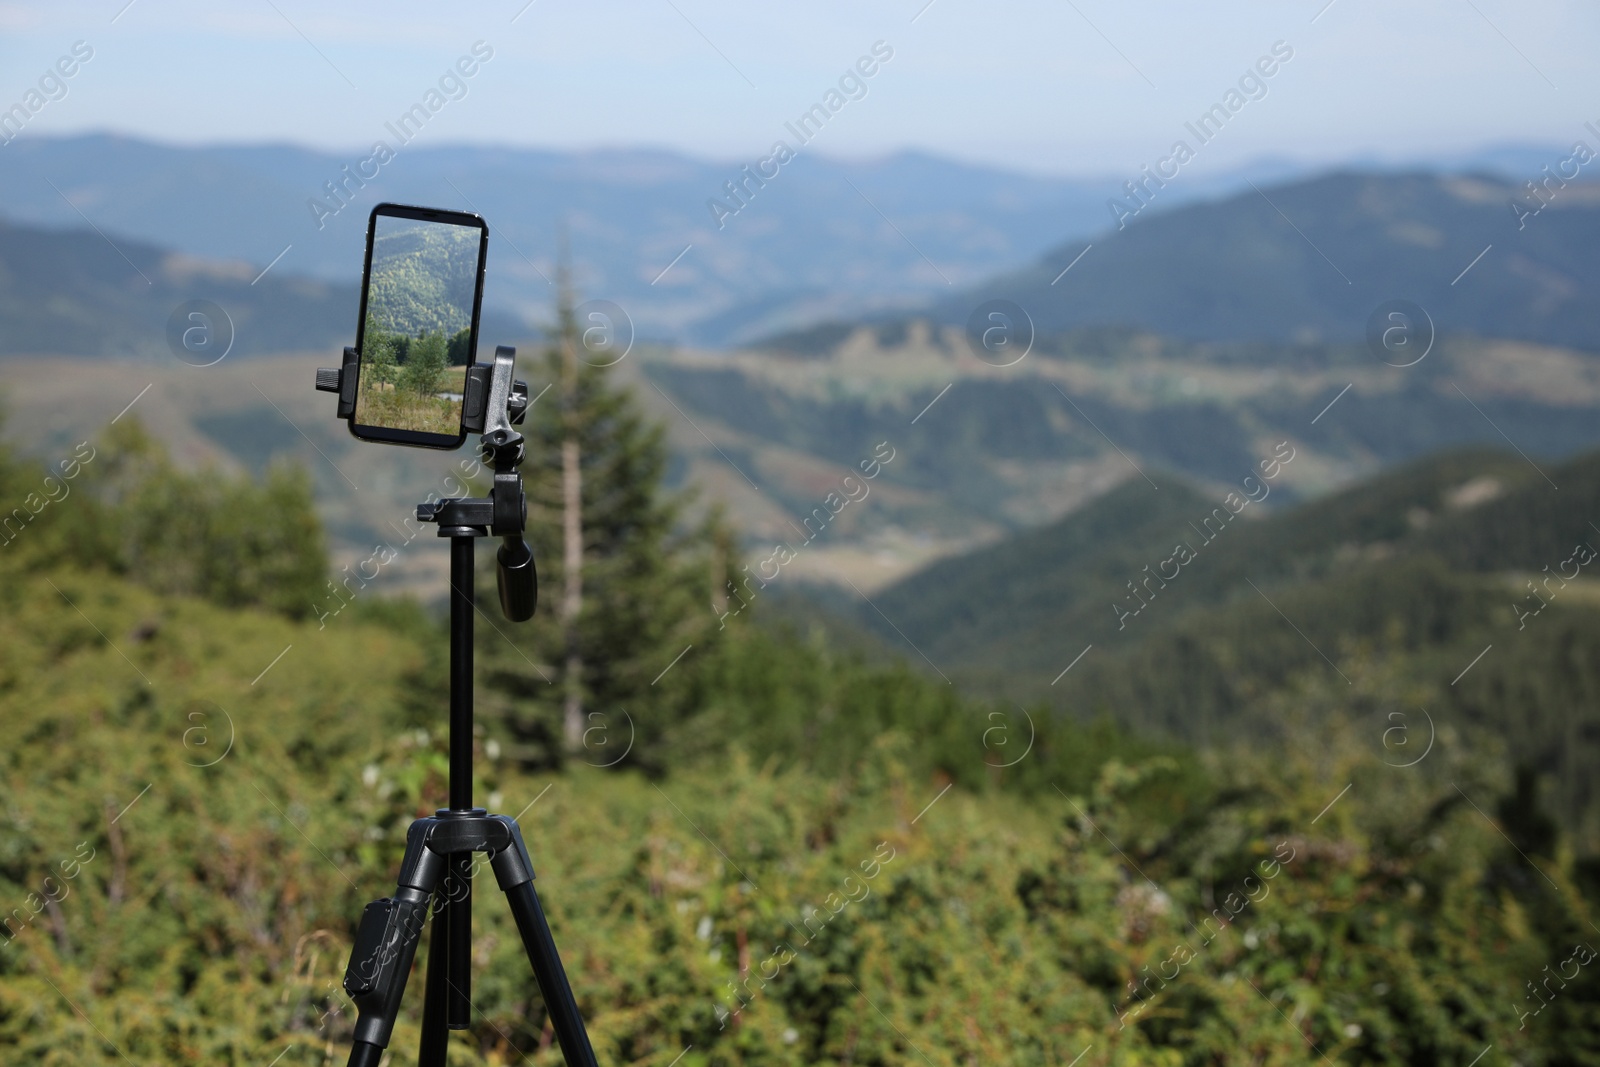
x=519, y=582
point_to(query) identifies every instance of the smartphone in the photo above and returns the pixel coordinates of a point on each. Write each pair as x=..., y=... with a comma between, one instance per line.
x=421, y=292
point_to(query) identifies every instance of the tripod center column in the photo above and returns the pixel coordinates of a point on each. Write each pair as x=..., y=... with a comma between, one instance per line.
x=461, y=608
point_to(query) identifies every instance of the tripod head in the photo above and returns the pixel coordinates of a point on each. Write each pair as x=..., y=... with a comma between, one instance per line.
x=494, y=403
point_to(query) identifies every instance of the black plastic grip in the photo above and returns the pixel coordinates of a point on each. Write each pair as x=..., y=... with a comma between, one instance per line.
x=518, y=580
x=380, y=960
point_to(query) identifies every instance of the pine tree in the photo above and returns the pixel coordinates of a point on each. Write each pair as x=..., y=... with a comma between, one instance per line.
x=460, y=347
x=621, y=598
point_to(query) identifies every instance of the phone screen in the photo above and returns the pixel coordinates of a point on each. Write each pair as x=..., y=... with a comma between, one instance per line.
x=419, y=324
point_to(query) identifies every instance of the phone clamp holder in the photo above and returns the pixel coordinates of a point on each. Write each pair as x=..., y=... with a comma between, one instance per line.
x=436, y=873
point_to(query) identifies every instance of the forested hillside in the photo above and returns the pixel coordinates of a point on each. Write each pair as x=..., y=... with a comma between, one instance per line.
x=1376, y=600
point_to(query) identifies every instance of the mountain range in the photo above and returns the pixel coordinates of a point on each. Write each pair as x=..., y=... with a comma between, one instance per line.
x=74, y=292
x=826, y=240
x=986, y=451
x=812, y=243
x=1313, y=259
x=78, y=292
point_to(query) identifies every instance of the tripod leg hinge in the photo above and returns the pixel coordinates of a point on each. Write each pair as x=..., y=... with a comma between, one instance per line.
x=512, y=864
x=431, y=841
x=423, y=867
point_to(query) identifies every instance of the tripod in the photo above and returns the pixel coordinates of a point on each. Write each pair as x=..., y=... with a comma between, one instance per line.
x=440, y=849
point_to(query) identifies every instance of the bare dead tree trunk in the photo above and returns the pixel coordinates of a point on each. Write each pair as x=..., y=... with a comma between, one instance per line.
x=720, y=570
x=58, y=924
x=571, y=522
x=119, y=855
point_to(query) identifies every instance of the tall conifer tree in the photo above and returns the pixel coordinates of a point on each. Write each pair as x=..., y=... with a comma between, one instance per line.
x=625, y=582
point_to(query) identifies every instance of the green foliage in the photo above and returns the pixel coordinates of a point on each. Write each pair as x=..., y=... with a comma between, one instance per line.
x=803, y=703
x=426, y=360
x=460, y=347
x=761, y=912
x=380, y=357
x=229, y=539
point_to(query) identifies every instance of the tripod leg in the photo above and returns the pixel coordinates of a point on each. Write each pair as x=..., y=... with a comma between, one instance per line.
x=386, y=945
x=513, y=870
x=552, y=977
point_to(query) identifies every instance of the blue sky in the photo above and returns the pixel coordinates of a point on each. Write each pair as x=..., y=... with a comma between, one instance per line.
x=1086, y=86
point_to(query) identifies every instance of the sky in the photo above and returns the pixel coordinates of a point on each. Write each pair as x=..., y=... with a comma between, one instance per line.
x=1048, y=86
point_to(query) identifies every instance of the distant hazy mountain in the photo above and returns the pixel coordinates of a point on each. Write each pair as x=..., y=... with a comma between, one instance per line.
x=821, y=240
x=78, y=292
x=1312, y=259
x=71, y=292
x=806, y=246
